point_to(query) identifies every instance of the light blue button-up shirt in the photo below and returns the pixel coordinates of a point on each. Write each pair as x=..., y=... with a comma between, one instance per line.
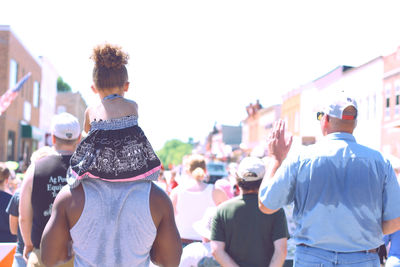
x=342, y=191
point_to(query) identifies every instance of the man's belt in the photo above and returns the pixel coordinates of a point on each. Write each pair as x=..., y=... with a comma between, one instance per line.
x=374, y=250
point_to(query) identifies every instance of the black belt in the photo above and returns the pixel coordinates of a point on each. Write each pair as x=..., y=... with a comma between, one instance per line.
x=374, y=250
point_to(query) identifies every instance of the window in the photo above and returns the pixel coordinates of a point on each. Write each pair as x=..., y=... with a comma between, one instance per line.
x=27, y=111
x=388, y=88
x=13, y=73
x=397, y=99
x=36, y=94
x=11, y=146
x=374, y=106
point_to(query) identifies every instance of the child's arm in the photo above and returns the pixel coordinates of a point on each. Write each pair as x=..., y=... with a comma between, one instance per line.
x=86, y=123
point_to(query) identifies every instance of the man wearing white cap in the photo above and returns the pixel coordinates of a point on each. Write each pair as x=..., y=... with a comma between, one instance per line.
x=241, y=235
x=346, y=196
x=42, y=181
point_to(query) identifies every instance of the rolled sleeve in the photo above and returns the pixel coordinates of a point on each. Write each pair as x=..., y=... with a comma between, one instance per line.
x=391, y=196
x=12, y=207
x=280, y=229
x=279, y=191
x=217, y=228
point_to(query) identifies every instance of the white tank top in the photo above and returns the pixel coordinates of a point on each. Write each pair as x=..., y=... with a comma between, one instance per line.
x=116, y=227
x=190, y=207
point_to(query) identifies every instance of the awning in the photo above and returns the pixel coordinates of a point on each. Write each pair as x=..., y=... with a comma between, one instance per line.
x=29, y=131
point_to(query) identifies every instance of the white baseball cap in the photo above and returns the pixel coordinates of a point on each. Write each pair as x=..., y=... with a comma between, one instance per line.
x=203, y=226
x=337, y=104
x=251, y=169
x=65, y=126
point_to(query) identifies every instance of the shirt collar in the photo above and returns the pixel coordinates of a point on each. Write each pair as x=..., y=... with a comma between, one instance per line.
x=341, y=136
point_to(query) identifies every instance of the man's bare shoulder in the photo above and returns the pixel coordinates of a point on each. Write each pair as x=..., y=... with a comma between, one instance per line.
x=159, y=198
x=160, y=204
x=72, y=200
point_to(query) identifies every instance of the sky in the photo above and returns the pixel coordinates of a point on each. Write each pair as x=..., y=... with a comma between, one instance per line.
x=194, y=64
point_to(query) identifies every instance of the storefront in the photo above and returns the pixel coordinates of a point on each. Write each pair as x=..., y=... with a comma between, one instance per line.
x=30, y=137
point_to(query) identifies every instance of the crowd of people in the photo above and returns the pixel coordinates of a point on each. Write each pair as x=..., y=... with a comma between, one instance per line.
x=101, y=197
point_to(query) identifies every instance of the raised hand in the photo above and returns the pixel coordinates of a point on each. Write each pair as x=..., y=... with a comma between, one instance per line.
x=279, y=144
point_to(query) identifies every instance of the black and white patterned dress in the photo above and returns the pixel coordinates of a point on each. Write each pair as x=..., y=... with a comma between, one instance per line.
x=114, y=150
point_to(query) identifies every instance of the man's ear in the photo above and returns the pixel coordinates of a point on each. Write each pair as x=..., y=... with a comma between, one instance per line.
x=325, y=120
x=94, y=89
x=126, y=86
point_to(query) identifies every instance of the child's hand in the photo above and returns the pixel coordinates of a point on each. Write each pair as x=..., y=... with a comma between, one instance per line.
x=83, y=134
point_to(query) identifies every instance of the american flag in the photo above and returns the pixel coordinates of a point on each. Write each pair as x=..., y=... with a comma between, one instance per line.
x=8, y=97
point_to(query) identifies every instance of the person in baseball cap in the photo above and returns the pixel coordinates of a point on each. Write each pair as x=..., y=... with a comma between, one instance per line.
x=334, y=178
x=42, y=182
x=240, y=233
x=250, y=169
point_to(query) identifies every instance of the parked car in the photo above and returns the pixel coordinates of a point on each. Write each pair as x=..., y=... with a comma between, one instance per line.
x=215, y=171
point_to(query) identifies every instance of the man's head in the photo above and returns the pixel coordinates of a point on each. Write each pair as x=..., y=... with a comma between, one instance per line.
x=65, y=130
x=4, y=172
x=250, y=173
x=339, y=114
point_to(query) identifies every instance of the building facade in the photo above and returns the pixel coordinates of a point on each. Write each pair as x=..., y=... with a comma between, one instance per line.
x=47, y=99
x=364, y=84
x=299, y=106
x=391, y=104
x=72, y=103
x=291, y=104
x=19, y=124
x=250, y=127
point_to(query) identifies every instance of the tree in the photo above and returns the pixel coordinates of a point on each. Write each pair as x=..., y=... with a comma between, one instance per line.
x=63, y=86
x=173, y=152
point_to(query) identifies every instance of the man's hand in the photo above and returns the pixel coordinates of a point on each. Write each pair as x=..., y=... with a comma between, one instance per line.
x=220, y=255
x=27, y=249
x=278, y=144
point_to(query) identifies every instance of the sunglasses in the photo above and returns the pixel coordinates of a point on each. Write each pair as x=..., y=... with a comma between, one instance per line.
x=320, y=114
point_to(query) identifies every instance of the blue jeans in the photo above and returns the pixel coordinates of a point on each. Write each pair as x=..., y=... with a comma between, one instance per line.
x=310, y=257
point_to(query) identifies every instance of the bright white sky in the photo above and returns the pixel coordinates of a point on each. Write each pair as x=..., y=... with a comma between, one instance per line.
x=195, y=63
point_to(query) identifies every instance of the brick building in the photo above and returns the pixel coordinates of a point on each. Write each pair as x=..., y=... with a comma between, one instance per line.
x=391, y=105
x=19, y=124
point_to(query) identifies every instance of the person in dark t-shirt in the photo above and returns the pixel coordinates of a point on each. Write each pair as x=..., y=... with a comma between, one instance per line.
x=5, y=234
x=42, y=182
x=241, y=235
x=12, y=210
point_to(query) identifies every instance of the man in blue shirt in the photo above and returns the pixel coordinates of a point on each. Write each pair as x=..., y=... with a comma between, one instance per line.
x=346, y=196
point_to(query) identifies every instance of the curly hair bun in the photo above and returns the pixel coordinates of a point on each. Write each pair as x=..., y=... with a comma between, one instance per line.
x=109, y=56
